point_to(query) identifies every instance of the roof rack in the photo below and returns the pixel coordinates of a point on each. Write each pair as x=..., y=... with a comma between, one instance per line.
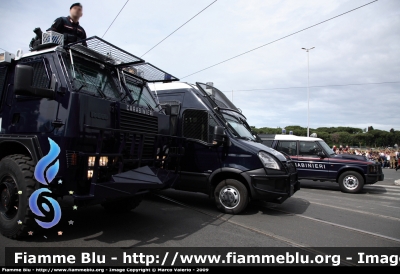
x=149, y=73
x=105, y=52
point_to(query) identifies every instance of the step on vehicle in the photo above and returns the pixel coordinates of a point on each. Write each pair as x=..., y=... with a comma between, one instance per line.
x=223, y=158
x=315, y=160
x=79, y=121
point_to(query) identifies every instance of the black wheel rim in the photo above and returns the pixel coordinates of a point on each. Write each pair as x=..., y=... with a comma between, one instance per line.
x=9, y=200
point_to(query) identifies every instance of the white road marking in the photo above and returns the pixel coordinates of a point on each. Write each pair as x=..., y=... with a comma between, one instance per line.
x=382, y=186
x=338, y=225
x=266, y=233
x=342, y=199
x=358, y=211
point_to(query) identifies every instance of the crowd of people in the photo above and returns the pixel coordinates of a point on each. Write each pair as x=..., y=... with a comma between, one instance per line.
x=388, y=158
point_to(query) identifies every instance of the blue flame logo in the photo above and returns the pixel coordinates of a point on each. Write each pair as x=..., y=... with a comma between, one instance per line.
x=39, y=202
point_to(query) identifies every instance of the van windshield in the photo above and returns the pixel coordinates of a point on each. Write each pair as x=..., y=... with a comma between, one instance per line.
x=326, y=147
x=238, y=127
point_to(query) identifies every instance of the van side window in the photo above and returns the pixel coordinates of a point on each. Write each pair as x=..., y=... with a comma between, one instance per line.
x=308, y=148
x=3, y=73
x=195, y=125
x=289, y=147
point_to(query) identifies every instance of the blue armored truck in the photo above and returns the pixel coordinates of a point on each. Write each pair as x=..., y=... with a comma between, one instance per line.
x=78, y=120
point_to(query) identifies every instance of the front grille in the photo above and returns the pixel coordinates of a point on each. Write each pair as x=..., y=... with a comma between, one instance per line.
x=138, y=122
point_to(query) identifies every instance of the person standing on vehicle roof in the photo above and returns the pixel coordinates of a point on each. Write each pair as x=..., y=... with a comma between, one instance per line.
x=69, y=26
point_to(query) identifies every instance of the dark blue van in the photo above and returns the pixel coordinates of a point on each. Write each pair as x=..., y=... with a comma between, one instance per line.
x=315, y=160
x=223, y=158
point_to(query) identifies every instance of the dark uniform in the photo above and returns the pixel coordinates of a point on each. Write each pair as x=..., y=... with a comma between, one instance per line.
x=72, y=31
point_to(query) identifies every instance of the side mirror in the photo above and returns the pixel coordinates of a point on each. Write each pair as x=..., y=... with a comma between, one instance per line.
x=220, y=136
x=172, y=110
x=23, y=80
x=321, y=154
x=175, y=110
x=167, y=109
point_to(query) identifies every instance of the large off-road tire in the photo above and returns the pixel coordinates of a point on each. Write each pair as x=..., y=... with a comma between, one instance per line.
x=122, y=205
x=16, y=174
x=351, y=182
x=231, y=196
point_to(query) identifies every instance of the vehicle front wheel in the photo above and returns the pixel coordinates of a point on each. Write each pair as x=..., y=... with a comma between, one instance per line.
x=351, y=182
x=231, y=196
x=122, y=205
x=17, y=183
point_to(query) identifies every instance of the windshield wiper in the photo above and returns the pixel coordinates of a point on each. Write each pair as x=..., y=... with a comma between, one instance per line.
x=150, y=107
x=98, y=89
x=121, y=86
x=82, y=86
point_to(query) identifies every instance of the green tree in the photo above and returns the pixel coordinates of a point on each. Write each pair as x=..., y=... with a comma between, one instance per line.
x=360, y=139
x=342, y=135
x=324, y=136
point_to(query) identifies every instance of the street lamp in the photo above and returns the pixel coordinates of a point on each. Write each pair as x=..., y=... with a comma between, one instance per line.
x=308, y=91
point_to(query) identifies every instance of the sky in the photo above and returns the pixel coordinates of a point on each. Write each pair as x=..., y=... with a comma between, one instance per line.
x=361, y=47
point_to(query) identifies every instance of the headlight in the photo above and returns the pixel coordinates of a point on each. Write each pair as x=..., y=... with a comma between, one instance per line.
x=91, y=160
x=89, y=174
x=268, y=161
x=102, y=161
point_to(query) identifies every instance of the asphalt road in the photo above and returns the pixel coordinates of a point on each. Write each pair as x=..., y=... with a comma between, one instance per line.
x=319, y=215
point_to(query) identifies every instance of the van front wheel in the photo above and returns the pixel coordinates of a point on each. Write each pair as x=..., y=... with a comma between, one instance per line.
x=231, y=196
